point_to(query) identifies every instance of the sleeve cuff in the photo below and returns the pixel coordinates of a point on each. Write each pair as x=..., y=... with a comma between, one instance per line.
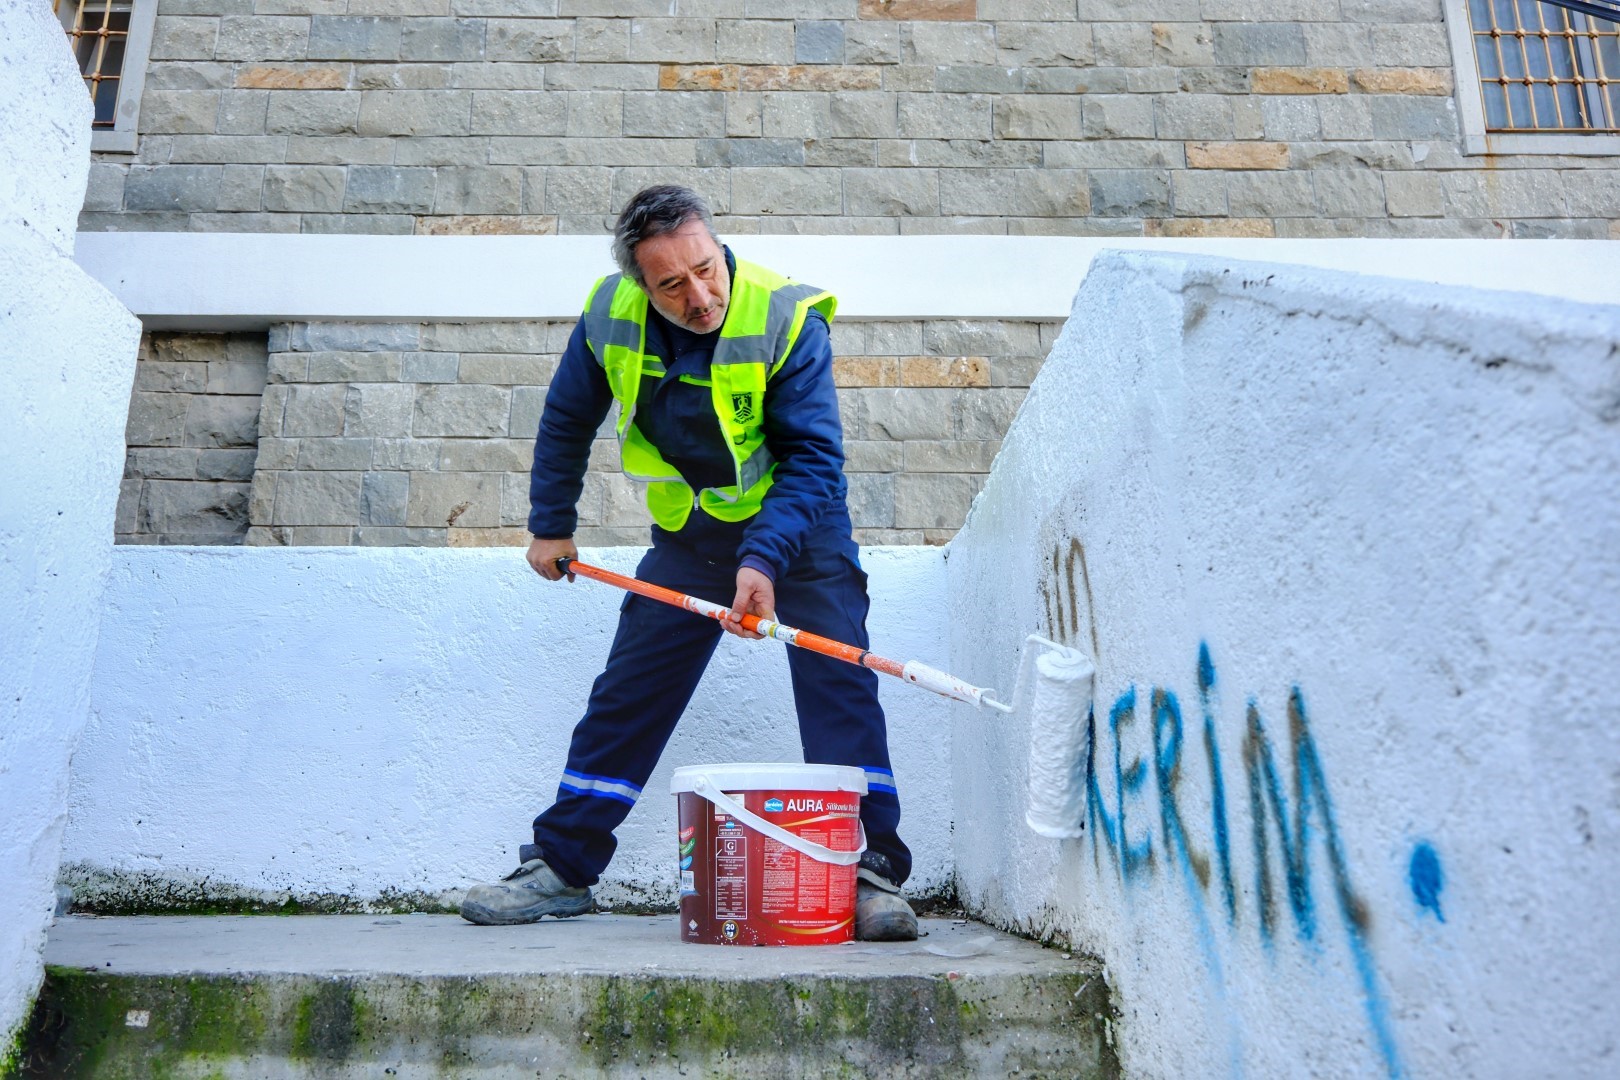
x=754, y=562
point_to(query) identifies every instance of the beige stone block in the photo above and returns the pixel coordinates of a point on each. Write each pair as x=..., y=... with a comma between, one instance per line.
x=920, y=10
x=1237, y=155
x=488, y=225
x=455, y=500
x=1432, y=81
x=934, y=500
x=698, y=77
x=810, y=77
x=944, y=371
x=1297, y=80
x=866, y=371
x=496, y=537
x=1185, y=227
x=293, y=77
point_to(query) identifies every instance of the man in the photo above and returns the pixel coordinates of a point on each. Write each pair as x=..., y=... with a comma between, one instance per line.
x=723, y=374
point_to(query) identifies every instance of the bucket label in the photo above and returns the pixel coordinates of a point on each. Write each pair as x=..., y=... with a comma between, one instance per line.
x=773, y=806
x=731, y=872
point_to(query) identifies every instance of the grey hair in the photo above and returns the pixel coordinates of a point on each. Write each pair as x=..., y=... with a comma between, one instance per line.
x=653, y=212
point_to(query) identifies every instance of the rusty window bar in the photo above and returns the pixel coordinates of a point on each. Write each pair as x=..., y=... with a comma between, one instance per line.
x=1544, y=68
x=98, y=31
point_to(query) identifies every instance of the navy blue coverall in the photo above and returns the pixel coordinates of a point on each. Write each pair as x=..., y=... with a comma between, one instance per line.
x=800, y=539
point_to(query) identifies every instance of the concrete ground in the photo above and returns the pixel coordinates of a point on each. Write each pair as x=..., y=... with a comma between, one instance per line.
x=598, y=995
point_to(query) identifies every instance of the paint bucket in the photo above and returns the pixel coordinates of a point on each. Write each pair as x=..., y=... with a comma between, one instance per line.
x=768, y=852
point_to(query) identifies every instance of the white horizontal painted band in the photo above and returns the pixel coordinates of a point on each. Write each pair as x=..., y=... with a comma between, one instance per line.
x=222, y=281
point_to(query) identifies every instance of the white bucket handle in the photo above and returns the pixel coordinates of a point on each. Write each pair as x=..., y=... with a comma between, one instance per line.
x=701, y=785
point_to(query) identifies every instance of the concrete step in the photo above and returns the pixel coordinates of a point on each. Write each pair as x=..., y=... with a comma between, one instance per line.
x=596, y=996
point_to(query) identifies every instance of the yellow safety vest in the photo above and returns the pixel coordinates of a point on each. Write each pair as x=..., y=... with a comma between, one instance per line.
x=762, y=322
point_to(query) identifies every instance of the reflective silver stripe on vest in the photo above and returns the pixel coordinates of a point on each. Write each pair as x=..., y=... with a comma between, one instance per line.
x=600, y=325
x=779, y=316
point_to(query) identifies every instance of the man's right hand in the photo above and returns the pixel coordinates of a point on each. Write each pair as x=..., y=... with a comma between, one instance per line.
x=543, y=555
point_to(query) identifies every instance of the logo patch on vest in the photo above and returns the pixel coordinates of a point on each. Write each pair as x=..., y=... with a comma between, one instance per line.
x=742, y=408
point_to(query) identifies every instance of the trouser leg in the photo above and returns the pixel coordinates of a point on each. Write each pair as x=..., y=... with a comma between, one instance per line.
x=840, y=720
x=658, y=656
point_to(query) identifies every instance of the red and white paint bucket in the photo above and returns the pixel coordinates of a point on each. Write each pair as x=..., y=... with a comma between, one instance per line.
x=768, y=852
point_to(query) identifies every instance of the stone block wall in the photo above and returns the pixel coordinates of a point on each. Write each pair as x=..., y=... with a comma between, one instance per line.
x=191, y=439
x=422, y=435
x=1143, y=117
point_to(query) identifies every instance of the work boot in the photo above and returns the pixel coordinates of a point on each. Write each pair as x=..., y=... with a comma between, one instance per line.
x=881, y=913
x=523, y=896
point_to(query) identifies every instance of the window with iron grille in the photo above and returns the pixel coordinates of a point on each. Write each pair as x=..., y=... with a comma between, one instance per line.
x=1537, y=76
x=110, y=40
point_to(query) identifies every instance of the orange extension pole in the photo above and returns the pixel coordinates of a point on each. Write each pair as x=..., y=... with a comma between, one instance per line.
x=911, y=671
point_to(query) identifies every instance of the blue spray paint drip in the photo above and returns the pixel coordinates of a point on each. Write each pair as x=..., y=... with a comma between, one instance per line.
x=1223, y=843
x=1424, y=875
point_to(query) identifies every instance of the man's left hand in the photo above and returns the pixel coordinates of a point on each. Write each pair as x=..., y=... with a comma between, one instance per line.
x=756, y=595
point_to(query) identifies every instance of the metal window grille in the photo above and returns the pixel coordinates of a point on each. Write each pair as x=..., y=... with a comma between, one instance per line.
x=1546, y=68
x=99, y=33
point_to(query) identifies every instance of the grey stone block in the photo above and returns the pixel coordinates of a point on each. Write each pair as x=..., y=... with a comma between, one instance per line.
x=353, y=367
x=877, y=456
x=106, y=187
x=871, y=43
x=193, y=511
x=1396, y=116
x=1336, y=44
x=519, y=112
x=750, y=152
x=1385, y=12
x=504, y=336
x=950, y=456
x=384, y=536
x=997, y=192
x=1256, y=44
x=415, y=112
x=1183, y=44
x=262, y=37
x=187, y=111
x=479, y=190
x=945, y=116
x=1270, y=194
x=454, y=500
x=796, y=115
x=172, y=187
x=754, y=41
x=980, y=337
x=605, y=41
x=841, y=153
x=527, y=404
x=1409, y=45
x=986, y=414
x=673, y=114
x=312, y=410
x=786, y=191
x=324, y=150
x=387, y=189
x=162, y=463
x=317, y=498
x=276, y=453
x=713, y=184
x=1044, y=44
x=898, y=414
x=497, y=76
x=1130, y=193
x=532, y=41
x=387, y=75
x=241, y=112
x=181, y=37
x=214, y=420
x=934, y=500
x=1346, y=116
x=1193, y=116
x=189, y=75
x=602, y=77
x=241, y=188
x=979, y=79
x=126, y=518
x=891, y=192
x=223, y=150
x=443, y=150
x=1593, y=193
x=1015, y=370
x=1037, y=116
x=461, y=411
x=1199, y=193
x=345, y=454
x=349, y=37
x=871, y=500
x=313, y=112
x=442, y=40
x=486, y=455
x=1117, y=116
x=1349, y=193
x=593, y=112
x=1128, y=44
x=507, y=369
x=1291, y=118
x=272, y=410
x=316, y=188
x=156, y=420
x=383, y=498
x=286, y=367
x=936, y=43
x=673, y=40
x=406, y=455
x=515, y=499
x=353, y=337
x=379, y=409
x=319, y=535
x=172, y=377
x=818, y=42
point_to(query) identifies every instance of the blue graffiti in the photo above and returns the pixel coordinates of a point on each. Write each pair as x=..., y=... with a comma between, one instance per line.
x=1296, y=816
x=1424, y=875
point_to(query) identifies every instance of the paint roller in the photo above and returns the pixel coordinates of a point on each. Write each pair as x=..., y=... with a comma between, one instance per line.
x=918, y=674
x=1060, y=699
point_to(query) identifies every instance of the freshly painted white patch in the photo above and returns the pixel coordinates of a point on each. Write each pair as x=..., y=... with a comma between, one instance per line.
x=67, y=357
x=217, y=281
x=360, y=722
x=1388, y=515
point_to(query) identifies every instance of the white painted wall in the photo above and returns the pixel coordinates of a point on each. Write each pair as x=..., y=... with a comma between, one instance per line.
x=354, y=721
x=216, y=281
x=67, y=357
x=1402, y=502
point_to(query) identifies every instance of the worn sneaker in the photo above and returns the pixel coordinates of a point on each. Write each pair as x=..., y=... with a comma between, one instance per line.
x=523, y=896
x=881, y=913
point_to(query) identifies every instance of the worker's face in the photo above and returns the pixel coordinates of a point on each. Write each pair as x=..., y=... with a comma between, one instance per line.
x=686, y=277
